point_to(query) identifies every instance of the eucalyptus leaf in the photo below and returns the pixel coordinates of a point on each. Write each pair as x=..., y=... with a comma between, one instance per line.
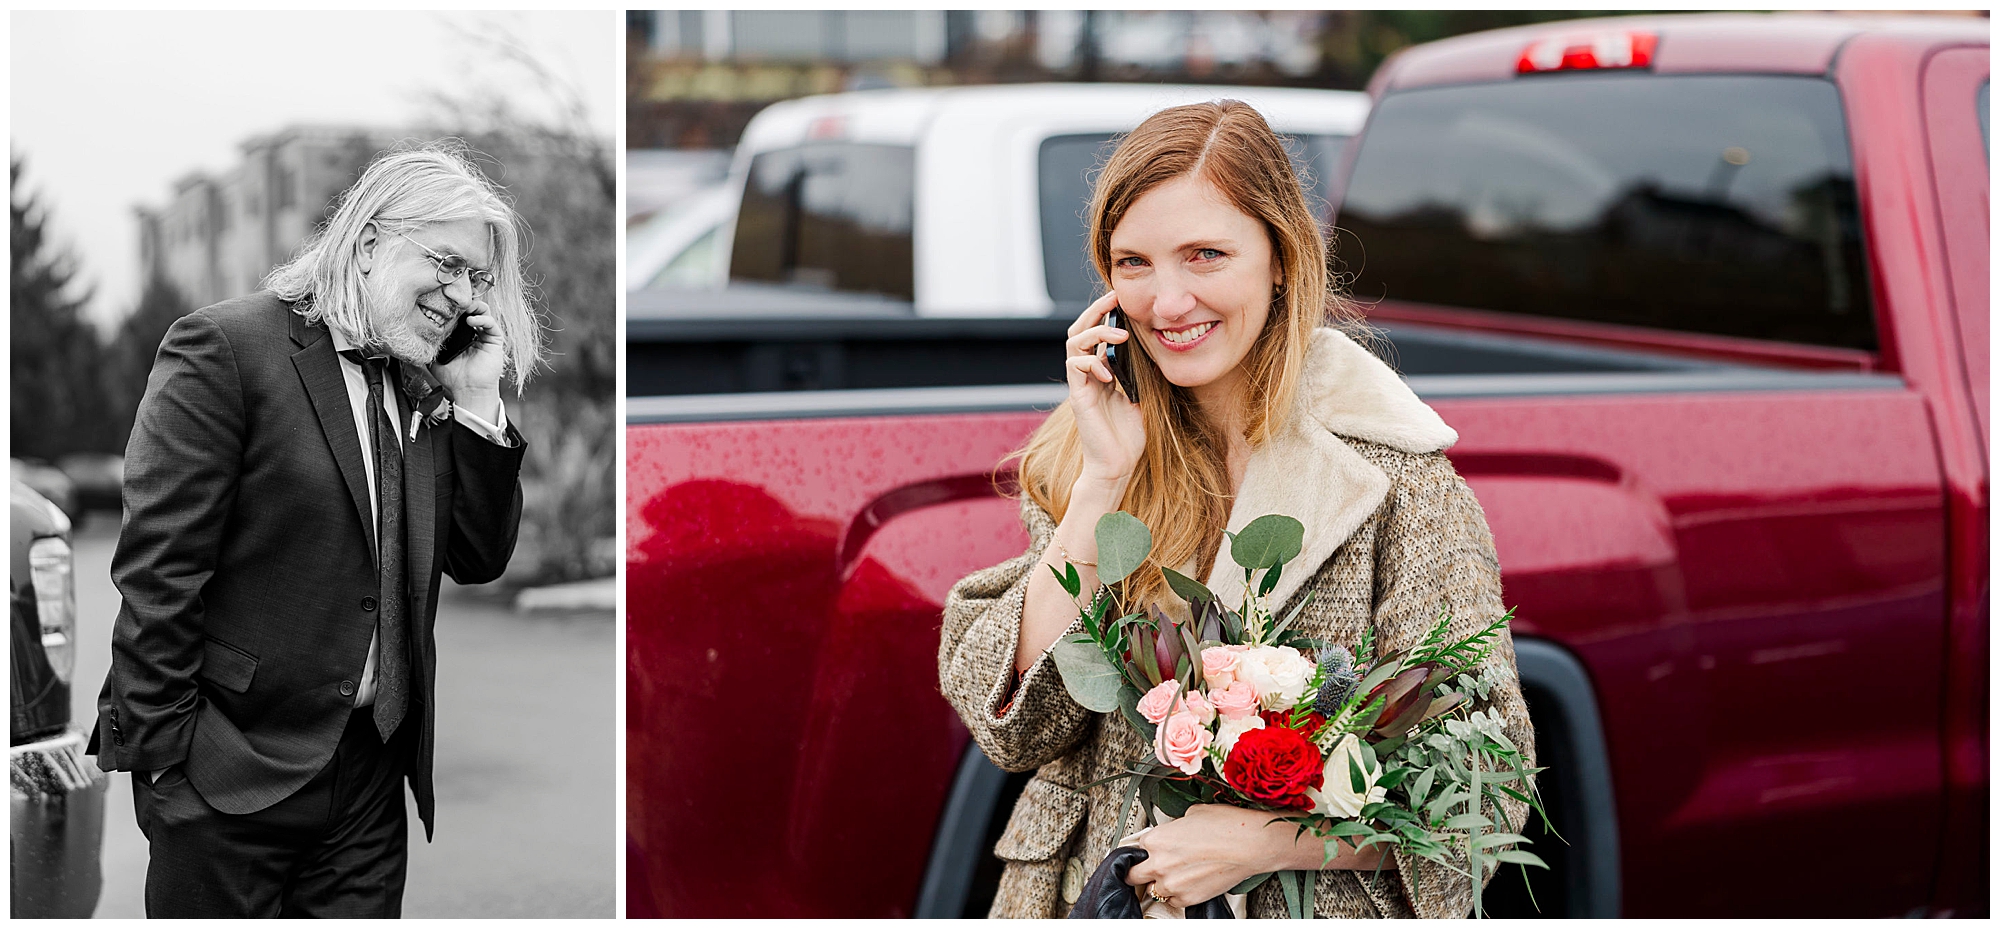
x=1123, y=542
x=1087, y=674
x=1268, y=541
x=1187, y=588
x=1172, y=801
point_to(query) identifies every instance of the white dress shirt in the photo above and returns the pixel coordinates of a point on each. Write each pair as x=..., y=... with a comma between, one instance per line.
x=357, y=402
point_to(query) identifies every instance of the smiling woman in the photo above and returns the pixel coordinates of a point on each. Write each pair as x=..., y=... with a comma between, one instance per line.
x=1251, y=401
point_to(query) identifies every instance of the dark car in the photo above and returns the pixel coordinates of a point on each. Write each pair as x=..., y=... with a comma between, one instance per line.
x=57, y=812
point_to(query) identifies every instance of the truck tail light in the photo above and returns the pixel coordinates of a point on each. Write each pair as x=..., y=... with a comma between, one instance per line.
x=1589, y=52
x=50, y=567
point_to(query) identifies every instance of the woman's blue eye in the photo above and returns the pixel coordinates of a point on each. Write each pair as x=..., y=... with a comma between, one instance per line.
x=1130, y=262
x=1208, y=253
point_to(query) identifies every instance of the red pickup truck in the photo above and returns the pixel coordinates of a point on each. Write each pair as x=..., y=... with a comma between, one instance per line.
x=1705, y=298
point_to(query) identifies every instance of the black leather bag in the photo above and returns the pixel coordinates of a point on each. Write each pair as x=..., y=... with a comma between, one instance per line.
x=1107, y=896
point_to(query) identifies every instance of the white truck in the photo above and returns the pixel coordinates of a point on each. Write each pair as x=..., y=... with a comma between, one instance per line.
x=850, y=222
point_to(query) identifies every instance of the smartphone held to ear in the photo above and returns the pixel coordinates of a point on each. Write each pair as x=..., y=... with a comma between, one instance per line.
x=461, y=338
x=1118, y=357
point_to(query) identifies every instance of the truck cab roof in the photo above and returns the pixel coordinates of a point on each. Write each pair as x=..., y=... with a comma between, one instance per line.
x=977, y=165
x=1743, y=43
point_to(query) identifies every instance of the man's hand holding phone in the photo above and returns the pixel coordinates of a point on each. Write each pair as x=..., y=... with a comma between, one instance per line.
x=471, y=360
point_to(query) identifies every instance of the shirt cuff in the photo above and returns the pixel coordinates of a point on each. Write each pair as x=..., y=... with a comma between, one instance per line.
x=496, y=434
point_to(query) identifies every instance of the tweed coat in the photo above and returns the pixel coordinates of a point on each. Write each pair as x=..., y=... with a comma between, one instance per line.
x=1393, y=536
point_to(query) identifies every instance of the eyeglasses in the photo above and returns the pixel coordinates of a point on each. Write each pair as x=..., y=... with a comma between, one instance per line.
x=451, y=267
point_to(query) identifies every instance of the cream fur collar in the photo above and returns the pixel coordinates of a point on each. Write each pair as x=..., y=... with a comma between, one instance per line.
x=1307, y=472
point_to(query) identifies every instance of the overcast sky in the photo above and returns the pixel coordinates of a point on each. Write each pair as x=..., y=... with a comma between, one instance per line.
x=110, y=108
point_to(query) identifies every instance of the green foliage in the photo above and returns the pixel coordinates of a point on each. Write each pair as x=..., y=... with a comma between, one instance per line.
x=1187, y=588
x=57, y=403
x=1267, y=542
x=1091, y=679
x=1438, y=647
x=1123, y=542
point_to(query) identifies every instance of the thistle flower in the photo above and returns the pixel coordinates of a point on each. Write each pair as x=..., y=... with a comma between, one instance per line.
x=1337, y=680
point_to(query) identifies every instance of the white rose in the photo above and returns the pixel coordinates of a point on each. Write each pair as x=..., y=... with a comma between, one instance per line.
x=1232, y=729
x=1337, y=796
x=1279, y=675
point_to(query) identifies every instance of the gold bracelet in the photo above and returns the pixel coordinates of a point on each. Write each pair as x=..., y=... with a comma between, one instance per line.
x=1060, y=550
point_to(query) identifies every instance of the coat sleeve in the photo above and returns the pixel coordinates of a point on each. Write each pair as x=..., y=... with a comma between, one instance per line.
x=486, y=509
x=1021, y=727
x=182, y=462
x=1435, y=554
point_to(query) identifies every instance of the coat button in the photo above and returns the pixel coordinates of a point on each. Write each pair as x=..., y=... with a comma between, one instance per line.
x=368, y=603
x=347, y=688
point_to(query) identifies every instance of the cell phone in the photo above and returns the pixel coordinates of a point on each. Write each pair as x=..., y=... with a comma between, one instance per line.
x=1118, y=356
x=461, y=338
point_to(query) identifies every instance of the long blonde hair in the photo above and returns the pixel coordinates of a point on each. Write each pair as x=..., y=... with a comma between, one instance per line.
x=401, y=192
x=1181, y=486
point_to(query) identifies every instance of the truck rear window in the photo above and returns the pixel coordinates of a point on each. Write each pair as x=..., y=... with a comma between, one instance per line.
x=829, y=215
x=1712, y=204
x=1068, y=166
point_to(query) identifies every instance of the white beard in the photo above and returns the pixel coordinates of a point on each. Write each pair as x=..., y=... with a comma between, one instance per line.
x=393, y=333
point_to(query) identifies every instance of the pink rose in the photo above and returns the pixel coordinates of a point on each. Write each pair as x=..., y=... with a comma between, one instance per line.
x=1218, y=667
x=1235, y=701
x=1158, y=702
x=1182, y=741
x=1198, y=705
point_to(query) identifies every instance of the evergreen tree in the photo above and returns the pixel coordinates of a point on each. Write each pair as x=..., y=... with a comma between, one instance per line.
x=129, y=357
x=58, y=403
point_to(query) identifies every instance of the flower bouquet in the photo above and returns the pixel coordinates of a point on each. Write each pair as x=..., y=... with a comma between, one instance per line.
x=1243, y=709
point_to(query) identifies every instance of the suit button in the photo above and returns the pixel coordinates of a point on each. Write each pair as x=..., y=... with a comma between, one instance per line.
x=368, y=603
x=347, y=688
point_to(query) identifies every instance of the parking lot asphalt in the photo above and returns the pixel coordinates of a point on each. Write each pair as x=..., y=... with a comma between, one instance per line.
x=526, y=812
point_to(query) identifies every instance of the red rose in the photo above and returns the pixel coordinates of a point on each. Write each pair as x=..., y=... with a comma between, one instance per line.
x=1274, y=766
x=1282, y=719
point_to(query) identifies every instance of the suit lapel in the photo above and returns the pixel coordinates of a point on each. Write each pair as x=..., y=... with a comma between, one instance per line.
x=319, y=368
x=419, y=509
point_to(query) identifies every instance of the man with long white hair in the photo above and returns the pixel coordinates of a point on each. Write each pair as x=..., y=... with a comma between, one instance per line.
x=305, y=464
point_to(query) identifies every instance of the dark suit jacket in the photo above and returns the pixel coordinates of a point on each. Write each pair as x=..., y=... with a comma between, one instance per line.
x=246, y=566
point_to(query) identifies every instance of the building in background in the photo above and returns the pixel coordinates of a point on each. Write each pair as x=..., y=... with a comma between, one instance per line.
x=697, y=76
x=219, y=234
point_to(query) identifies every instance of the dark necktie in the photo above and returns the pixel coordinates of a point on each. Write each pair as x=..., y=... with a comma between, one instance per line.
x=392, y=671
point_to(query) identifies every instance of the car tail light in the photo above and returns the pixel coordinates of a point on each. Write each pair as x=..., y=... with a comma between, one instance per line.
x=1596, y=51
x=50, y=567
